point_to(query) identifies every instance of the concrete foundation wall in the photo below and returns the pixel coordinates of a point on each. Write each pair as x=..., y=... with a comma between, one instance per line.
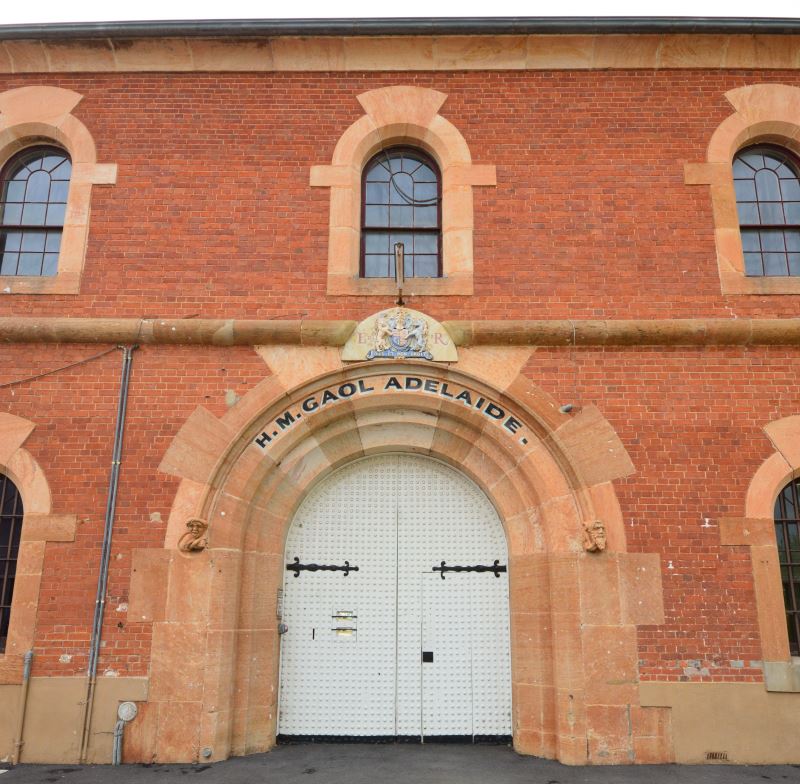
x=52, y=731
x=743, y=720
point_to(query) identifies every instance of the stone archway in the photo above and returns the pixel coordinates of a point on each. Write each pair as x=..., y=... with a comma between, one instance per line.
x=573, y=615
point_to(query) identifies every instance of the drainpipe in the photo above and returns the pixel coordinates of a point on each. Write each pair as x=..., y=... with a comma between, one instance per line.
x=116, y=754
x=23, y=704
x=105, y=558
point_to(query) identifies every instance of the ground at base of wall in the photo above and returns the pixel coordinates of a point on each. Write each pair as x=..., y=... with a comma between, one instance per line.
x=400, y=764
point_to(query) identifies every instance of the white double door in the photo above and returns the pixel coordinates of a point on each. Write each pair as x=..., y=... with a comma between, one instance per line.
x=395, y=648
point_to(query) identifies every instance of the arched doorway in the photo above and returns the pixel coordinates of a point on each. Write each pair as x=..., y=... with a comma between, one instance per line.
x=215, y=683
x=390, y=640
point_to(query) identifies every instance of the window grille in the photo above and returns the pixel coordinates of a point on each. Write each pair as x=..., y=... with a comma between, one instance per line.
x=33, y=202
x=401, y=202
x=767, y=187
x=10, y=530
x=787, y=532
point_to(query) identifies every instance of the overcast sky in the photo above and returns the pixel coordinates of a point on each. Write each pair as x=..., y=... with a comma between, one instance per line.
x=15, y=12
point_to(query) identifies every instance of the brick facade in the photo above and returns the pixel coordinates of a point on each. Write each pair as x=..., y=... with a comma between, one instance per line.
x=212, y=216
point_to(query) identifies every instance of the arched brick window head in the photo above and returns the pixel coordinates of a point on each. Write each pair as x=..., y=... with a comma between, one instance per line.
x=787, y=532
x=401, y=202
x=10, y=530
x=33, y=200
x=767, y=183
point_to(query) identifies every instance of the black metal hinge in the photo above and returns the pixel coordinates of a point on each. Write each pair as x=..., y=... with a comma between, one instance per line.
x=297, y=567
x=495, y=568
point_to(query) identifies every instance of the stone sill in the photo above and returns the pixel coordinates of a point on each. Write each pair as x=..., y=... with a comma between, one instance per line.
x=24, y=284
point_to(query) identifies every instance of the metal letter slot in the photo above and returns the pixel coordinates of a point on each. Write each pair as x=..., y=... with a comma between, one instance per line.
x=348, y=630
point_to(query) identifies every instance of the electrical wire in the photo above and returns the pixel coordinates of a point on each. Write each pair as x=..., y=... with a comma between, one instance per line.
x=96, y=356
x=57, y=370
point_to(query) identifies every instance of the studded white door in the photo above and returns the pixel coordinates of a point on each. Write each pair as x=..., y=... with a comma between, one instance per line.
x=446, y=656
x=352, y=658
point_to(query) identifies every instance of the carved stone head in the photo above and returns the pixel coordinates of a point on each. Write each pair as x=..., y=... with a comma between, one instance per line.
x=594, y=537
x=194, y=538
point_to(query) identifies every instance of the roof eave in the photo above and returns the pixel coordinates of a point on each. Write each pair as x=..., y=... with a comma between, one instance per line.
x=259, y=28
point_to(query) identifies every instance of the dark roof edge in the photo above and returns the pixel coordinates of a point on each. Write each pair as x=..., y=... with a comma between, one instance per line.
x=247, y=28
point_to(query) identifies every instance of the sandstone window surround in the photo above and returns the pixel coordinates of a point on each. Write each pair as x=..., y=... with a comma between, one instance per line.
x=757, y=530
x=39, y=526
x=401, y=116
x=765, y=114
x=41, y=115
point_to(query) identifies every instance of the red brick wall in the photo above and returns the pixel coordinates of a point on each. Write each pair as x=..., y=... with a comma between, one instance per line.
x=212, y=215
x=691, y=421
x=75, y=413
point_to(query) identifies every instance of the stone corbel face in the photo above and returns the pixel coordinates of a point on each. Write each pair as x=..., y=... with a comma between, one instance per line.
x=594, y=536
x=194, y=540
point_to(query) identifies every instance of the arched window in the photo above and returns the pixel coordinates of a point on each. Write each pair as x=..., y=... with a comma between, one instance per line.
x=401, y=202
x=787, y=531
x=10, y=529
x=33, y=202
x=767, y=182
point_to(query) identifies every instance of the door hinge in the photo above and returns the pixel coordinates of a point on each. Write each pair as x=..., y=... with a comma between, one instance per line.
x=495, y=568
x=297, y=567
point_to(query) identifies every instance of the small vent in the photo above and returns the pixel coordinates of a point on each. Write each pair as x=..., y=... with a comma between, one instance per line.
x=721, y=756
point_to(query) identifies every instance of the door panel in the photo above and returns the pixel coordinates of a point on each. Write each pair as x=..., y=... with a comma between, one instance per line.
x=395, y=517
x=491, y=655
x=442, y=516
x=447, y=675
x=335, y=683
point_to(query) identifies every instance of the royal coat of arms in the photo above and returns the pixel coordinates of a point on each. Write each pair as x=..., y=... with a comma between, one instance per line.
x=399, y=335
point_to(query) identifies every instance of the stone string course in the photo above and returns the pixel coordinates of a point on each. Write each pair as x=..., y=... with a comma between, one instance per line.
x=406, y=53
x=241, y=332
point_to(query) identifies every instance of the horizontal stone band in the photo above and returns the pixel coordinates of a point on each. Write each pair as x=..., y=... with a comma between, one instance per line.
x=432, y=52
x=250, y=332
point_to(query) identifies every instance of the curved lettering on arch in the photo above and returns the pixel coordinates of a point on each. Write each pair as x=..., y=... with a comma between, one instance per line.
x=332, y=395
